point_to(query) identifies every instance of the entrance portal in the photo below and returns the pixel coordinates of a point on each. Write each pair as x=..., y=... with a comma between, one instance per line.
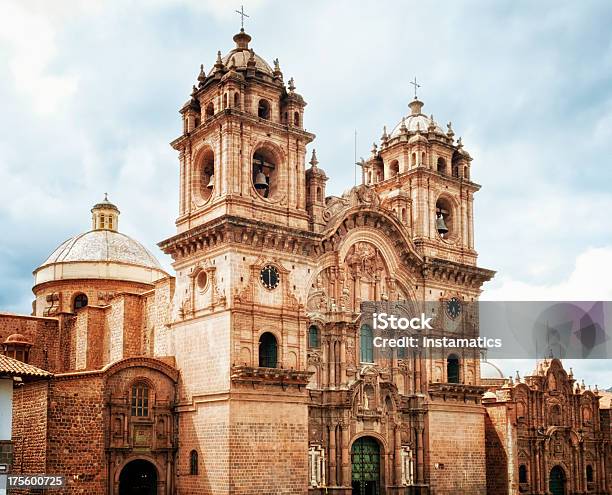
x=138, y=477
x=365, y=459
x=556, y=484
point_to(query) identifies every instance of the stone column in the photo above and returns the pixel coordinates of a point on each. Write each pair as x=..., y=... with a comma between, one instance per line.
x=419, y=452
x=331, y=478
x=398, y=455
x=346, y=458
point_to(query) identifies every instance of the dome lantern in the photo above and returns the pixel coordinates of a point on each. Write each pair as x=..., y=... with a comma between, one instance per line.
x=105, y=216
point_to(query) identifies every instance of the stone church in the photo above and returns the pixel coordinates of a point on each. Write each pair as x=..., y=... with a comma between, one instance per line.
x=250, y=370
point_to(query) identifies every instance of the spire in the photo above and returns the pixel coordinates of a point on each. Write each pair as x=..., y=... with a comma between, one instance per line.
x=313, y=159
x=201, y=75
x=385, y=137
x=219, y=63
x=105, y=215
x=403, y=128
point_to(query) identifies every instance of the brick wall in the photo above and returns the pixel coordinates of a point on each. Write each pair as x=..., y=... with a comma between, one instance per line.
x=455, y=457
x=268, y=443
x=76, y=433
x=30, y=427
x=499, y=450
x=41, y=332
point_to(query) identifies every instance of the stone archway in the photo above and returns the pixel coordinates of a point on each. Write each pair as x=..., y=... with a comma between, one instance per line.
x=556, y=484
x=366, y=466
x=138, y=477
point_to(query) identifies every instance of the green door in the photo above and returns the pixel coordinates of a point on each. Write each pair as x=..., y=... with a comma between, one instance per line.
x=365, y=459
x=556, y=484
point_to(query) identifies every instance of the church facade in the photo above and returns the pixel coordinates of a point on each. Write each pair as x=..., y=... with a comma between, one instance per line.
x=251, y=370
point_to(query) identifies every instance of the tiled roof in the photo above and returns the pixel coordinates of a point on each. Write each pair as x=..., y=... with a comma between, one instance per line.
x=12, y=367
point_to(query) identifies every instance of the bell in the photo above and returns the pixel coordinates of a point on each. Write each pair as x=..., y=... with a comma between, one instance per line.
x=211, y=182
x=441, y=226
x=260, y=181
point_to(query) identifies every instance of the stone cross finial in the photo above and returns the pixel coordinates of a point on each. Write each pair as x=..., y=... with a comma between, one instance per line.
x=242, y=16
x=291, y=85
x=416, y=86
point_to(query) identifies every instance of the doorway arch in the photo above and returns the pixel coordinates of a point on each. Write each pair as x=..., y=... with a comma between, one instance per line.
x=365, y=466
x=138, y=477
x=556, y=484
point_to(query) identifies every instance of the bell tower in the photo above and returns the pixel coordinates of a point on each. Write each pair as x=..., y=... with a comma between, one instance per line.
x=423, y=175
x=243, y=146
x=242, y=255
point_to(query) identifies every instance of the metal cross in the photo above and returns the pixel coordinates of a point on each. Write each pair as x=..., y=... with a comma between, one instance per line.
x=415, y=87
x=242, y=16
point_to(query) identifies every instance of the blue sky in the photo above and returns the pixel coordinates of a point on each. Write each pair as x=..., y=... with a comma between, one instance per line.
x=90, y=94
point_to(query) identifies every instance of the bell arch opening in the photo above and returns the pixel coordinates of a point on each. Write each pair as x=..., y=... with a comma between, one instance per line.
x=444, y=219
x=205, y=176
x=265, y=172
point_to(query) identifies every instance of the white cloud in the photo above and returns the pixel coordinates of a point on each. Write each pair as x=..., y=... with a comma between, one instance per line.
x=591, y=280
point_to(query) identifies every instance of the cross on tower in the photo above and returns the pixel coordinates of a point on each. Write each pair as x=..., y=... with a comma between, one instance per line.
x=414, y=83
x=242, y=16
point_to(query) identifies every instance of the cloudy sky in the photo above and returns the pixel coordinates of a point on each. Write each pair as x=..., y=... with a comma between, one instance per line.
x=90, y=93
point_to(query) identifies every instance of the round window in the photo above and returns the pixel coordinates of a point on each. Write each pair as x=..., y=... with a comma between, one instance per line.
x=202, y=280
x=269, y=277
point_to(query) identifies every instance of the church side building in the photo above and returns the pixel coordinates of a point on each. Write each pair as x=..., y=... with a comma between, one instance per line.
x=251, y=370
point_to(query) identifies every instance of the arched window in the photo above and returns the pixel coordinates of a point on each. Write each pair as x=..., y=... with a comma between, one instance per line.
x=319, y=194
x=404, y=215
x=210, y=110
x=236, y=100
x=441, y=165
x=140, y=400
x=263, y=109
x=589, y=473
x=296, y=119
x=455, y=170
x=193, y=462
x=80, y=301
x=313, y=337
x=414, y=163
x=207, y=171
x=366, y=346
x=466, y=173
x=225, y=101
x=267, y=350
x=522, y=473
x=452, y=369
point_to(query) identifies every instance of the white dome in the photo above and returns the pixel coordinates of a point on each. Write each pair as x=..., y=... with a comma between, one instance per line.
x=103, y=245
x=100, y=254
x=490, y=370
x=239, y=59
x=416, y=121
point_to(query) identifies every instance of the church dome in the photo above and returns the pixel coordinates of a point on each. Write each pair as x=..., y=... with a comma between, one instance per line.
x=490, y=370
x=103, y=245
x=239, y=57
x=101, y=253
x=416, y=121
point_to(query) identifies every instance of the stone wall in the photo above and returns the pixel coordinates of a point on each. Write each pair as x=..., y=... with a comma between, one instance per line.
x=455, y=457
